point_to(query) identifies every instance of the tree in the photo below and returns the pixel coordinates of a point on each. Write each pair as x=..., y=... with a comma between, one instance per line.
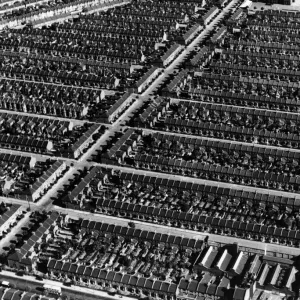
x=288, y=221
x=185, y=207
x=3, y=258
x=131, y=224
x=96, y=136
x=125, y=261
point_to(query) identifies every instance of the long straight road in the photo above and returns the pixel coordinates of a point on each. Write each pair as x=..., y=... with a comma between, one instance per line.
x=177, y=62
x=200, y=181
x=30, y=283
x=218, y=140
x=21, y=113
x=176, y=100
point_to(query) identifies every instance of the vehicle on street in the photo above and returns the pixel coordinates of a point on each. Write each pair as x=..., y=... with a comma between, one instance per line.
x=5, y=283
x=38, y=277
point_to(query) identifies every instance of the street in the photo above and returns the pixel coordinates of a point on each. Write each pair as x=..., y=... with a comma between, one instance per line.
x=30, y=283
x=201, y=181
x=215, y=238
x=216, y=139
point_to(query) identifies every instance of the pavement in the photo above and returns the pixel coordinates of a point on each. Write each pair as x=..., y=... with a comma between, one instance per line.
x=23, y=203
x=95, y=147
x=97, y=9
x=51, y=83
x=40, y=157
x=62, y=17
x=20, y=113
x=176, y=100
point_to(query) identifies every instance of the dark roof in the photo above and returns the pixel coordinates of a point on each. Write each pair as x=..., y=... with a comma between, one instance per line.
x=239, y=293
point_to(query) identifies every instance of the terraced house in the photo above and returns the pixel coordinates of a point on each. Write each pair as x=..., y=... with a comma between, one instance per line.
x=162, y=150
x=203, y=271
